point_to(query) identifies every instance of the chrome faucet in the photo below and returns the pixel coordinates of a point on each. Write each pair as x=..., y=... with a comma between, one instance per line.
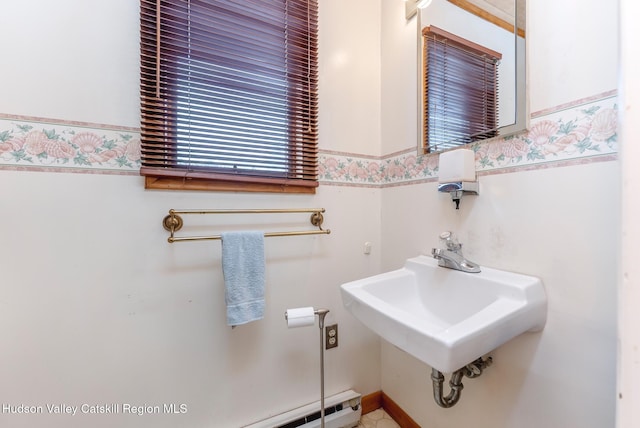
x=452, y=257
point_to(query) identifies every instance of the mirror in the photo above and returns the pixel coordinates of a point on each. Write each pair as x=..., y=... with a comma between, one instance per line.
x=488, y=25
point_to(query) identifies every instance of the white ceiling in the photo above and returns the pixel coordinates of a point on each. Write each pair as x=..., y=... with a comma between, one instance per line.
x=503, y=9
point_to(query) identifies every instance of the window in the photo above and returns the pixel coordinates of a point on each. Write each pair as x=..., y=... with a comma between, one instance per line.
x=460, y=90
x=229, y=94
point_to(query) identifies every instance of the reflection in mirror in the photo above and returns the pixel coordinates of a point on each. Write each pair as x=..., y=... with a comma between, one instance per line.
x=460, y=103
x=461, y=89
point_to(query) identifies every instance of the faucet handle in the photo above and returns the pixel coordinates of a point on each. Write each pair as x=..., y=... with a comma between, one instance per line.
x=450, y=240
x=446, y=235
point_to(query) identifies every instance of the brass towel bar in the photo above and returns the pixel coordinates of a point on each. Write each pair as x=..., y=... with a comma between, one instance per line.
x=173, y=222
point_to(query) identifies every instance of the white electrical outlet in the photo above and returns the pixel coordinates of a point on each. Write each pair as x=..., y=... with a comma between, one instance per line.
x=331, y=336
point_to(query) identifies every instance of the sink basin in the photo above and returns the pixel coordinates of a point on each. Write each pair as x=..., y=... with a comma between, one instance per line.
x=443, y=317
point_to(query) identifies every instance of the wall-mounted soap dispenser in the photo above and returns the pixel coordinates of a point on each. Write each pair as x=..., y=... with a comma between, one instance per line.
x=457, y=174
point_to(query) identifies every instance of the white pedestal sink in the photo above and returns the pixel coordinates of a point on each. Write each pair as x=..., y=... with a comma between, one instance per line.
x=443, y=317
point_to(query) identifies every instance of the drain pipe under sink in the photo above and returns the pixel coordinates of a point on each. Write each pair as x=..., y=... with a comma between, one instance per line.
x=471, y=371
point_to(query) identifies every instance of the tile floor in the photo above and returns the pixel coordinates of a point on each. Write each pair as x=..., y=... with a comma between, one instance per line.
x=377, y=419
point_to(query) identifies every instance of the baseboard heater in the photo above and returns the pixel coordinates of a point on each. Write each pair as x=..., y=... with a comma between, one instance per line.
x=342, y=410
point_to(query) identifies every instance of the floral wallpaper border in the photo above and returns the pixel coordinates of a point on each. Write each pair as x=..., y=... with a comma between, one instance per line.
x=58, y=145
x=576, y=132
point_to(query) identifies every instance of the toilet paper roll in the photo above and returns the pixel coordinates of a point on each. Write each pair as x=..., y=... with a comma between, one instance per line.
x=300, y=317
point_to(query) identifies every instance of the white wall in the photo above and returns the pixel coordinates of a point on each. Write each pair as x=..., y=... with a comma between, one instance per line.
x=628, y=415
x=72, y=60
x=398, y=69
x=558, y=223
x=350, y=76
x=572, y=50
x=98, y=308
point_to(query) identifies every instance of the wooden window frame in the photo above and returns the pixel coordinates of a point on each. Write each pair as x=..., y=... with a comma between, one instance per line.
x=284, y=157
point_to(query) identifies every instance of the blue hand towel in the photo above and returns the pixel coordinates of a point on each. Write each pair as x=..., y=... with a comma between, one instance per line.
x=243, y=269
